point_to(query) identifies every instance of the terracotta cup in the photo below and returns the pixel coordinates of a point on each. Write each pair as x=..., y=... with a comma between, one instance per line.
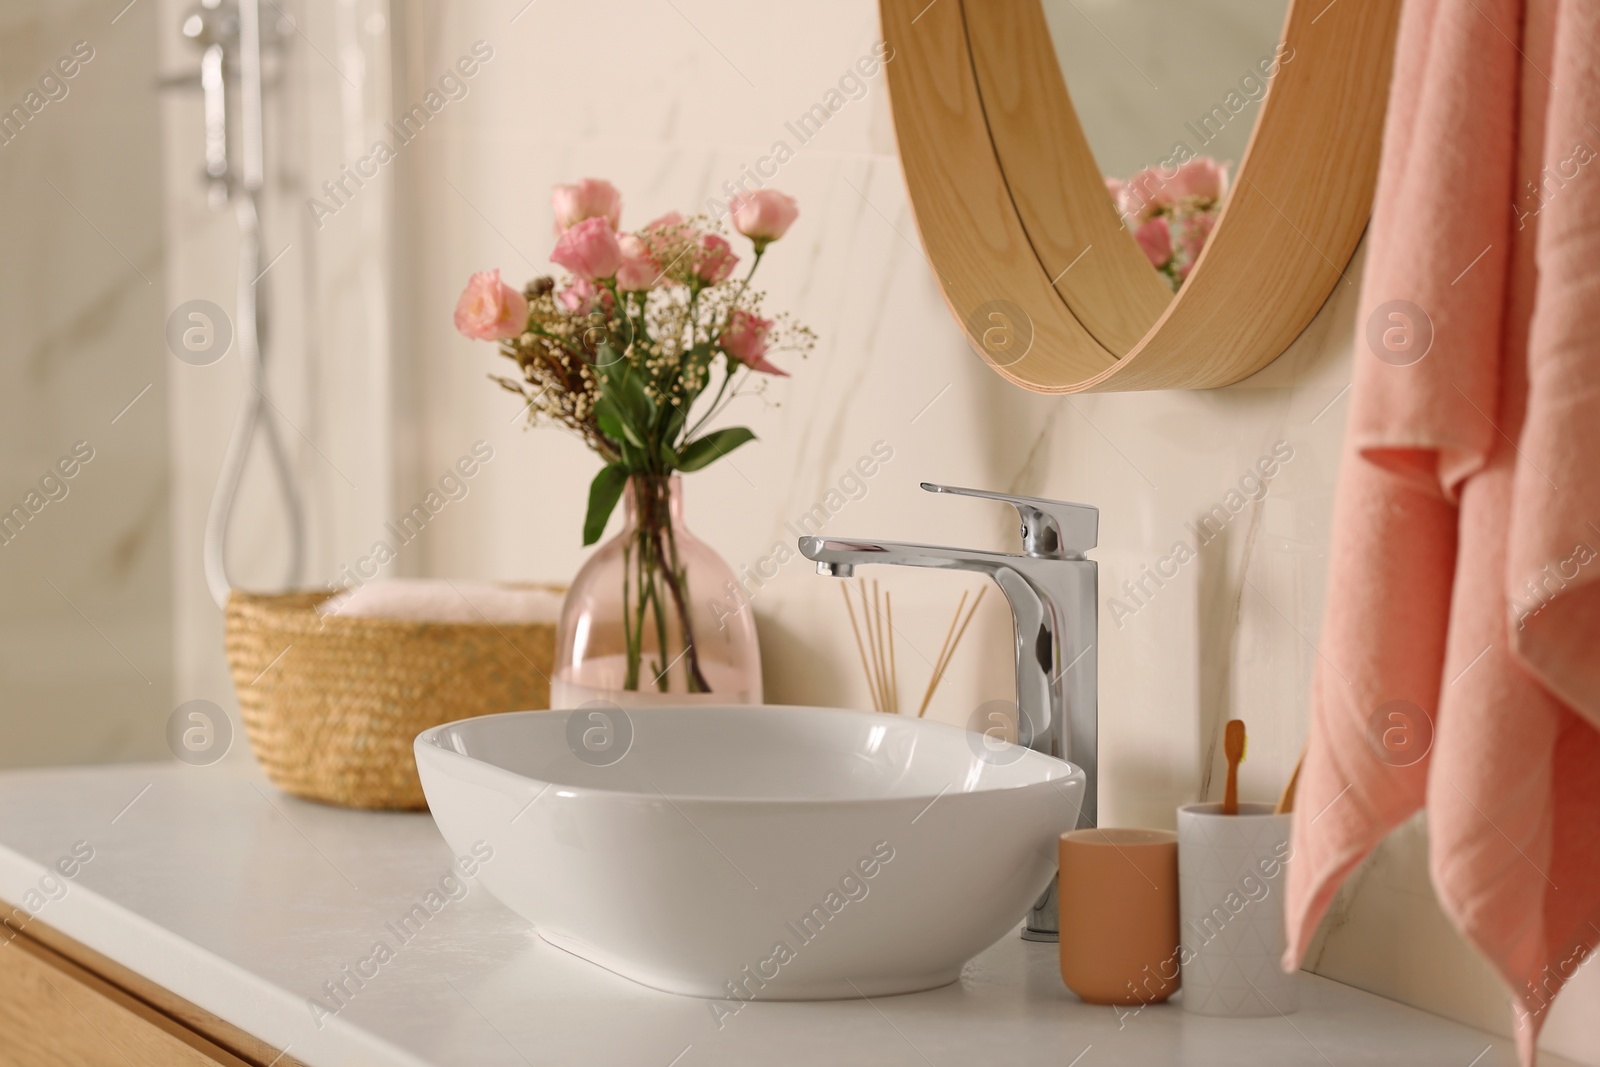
x=1119, y=915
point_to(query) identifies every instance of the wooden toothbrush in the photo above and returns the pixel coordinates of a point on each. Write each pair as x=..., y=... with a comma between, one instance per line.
x=1233, y=748
x=1286, y=801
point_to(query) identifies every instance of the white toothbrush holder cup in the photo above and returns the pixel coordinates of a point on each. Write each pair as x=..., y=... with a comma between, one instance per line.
x=1232, y=877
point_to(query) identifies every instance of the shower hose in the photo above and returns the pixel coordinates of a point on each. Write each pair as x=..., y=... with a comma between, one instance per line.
x=251, y=340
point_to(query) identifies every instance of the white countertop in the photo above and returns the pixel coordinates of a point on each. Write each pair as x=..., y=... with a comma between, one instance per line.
x=214, y=885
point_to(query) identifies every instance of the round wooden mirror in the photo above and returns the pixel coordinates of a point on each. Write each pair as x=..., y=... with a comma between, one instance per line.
x=1034, y=259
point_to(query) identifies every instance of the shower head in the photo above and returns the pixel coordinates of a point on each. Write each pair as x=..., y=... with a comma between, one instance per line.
x=212, y=22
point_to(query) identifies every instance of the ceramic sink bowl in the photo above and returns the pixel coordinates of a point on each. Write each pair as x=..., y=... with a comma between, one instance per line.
x=780, y=853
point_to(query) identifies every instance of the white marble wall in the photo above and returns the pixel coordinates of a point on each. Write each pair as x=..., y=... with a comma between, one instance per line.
x=669, y=100
x=86, y=630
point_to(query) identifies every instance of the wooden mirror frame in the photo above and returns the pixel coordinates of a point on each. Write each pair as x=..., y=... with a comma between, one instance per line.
x=1048, y=285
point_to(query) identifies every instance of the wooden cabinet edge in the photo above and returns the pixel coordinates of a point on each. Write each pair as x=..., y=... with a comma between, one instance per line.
x=211, y=1037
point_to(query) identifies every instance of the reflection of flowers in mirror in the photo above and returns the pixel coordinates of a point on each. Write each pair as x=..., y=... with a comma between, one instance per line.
x=1171, y=215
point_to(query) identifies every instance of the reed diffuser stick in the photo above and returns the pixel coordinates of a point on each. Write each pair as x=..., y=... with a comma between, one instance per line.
x=944, y=662
x=874, y=650
x=883, y=652
x=944, y=648
x=894, y=674
x=875, y=643
x=950, y=634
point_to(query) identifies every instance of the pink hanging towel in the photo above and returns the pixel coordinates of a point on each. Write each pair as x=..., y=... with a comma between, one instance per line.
x=1461, y=649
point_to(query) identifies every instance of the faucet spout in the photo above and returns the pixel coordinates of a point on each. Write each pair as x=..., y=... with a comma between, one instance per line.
x=1054, y=607
x=1053, y=593
x=835, y=552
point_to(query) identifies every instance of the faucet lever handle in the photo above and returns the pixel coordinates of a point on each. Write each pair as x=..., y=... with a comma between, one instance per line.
x=1051, y=529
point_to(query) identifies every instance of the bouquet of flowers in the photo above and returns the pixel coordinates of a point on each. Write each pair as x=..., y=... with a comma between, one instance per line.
x=637, y=350
x=1172, y=214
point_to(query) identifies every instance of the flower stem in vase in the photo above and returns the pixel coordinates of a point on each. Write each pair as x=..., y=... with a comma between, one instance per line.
x=677, y=585
x=660, y=566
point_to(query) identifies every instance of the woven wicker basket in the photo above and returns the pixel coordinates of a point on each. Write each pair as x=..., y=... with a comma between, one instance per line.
x=332, y=704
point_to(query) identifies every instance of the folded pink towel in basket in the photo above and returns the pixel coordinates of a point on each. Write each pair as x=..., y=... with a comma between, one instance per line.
x=1461, y=649
x=447, y=600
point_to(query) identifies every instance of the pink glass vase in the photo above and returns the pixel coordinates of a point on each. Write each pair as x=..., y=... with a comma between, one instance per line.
x=650, y=617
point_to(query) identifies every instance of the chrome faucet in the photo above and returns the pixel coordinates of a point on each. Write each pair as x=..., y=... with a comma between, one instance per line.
x=1053, y=592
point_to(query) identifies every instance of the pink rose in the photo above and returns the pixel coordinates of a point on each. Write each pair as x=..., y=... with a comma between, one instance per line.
x=1193, y=232
x=713, y=260
x=1156, y=240
x=745, y=340
x=581, y=297
x=489, y=309
x=1114, y=190
x=1202, y=178
x=672, y=220
x=1141, y=196
x=670, y=242
x=589, y=249
x=763, y=216
x=639, y=270
x=588, y=199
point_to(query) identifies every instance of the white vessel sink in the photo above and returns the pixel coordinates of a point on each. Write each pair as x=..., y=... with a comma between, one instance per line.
x=779, y=853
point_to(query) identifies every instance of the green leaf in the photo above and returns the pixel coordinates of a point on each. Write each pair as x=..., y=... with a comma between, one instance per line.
x=616, y=422
x=636, y=401
x=634, y=459
x=675, y=420
x=708, y=448
x=606, y=418
x=604, y=492
x=622, y=384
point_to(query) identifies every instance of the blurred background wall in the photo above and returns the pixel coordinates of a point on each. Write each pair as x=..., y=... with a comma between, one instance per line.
x=86, y=566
